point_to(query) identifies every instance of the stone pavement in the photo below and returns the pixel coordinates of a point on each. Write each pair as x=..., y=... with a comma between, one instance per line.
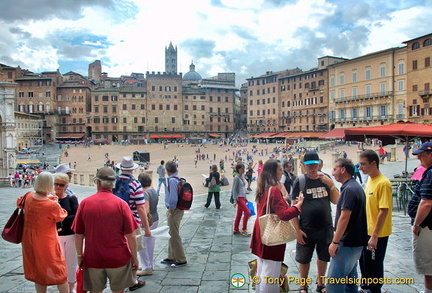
x=213, y=253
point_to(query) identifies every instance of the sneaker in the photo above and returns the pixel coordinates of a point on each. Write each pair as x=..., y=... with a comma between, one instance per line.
x=138, y=284
x=363, y=290
x=250, y=189
x=245, y=233
x=167, y=261
x=145, y=273
x=177, y=264
x=235, y=232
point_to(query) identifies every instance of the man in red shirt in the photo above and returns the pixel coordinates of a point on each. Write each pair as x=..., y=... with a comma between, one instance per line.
x=107, y=225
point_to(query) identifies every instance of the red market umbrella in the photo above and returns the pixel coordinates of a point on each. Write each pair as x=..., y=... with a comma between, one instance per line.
x=405, y=131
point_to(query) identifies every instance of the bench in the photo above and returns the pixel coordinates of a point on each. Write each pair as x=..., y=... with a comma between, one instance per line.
x=4, y=181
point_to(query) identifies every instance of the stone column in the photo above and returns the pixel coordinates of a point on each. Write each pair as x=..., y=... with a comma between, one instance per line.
x=393, y=154
x=7, y=128
x=335, y=156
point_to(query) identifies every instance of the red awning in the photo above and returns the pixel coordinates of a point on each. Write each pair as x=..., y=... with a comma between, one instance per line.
x=154, y=136
x=177, y=136
x=69, y=135
x=215, y=135
x=300, y=134
x=337, y=133
x=266, y=135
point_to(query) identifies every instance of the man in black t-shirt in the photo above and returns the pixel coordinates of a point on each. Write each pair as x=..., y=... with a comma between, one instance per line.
x=351, y=228
x=314, y=226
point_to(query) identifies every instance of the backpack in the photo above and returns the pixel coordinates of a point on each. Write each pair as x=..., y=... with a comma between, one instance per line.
x=288, y=181
x=414, y=202
x=185, y=194
x=302, y=183
x=212, y=183
x=122, y=189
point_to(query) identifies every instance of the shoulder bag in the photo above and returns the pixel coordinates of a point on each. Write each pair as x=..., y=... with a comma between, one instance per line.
x=13, y=230
x=274, y=231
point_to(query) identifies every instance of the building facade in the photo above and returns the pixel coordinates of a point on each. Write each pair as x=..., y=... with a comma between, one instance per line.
x=419, y=78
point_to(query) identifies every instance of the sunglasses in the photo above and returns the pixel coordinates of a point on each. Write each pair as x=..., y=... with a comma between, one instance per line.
x=59, y=184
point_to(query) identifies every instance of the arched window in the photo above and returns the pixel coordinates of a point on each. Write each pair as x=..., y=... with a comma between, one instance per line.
x=416, y=46
x=427, y=42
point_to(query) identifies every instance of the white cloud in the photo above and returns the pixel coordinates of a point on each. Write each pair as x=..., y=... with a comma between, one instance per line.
x=248, y=37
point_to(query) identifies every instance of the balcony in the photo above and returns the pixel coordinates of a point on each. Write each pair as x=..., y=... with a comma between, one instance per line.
x=360, y=119
x=363, y=97
x=427, y=92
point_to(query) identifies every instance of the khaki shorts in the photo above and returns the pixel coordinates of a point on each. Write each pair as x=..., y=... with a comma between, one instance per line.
x=422, y=254
x=120, y=278
x=139, y=238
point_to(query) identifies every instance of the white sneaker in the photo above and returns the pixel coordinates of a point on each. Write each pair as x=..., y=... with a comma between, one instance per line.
x=144, y=273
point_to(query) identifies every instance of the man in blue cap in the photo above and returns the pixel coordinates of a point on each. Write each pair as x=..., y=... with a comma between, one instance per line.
x=315, y=225
x=422, y=222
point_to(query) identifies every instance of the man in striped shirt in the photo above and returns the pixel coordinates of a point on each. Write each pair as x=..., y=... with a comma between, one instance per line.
x=136, y=202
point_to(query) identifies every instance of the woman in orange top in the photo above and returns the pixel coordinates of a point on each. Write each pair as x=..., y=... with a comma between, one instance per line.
x=44, y=262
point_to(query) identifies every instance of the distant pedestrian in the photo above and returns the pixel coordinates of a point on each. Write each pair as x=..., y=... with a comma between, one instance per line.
x=214, y=187
x=162, y=179
x=238, y=194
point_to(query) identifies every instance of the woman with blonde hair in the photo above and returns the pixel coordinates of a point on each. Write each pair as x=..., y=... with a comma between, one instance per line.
x=43, y=261
x=65, y=233
x=269, y=258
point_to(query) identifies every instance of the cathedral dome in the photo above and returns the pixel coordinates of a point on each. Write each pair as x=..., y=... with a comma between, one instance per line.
x=192, y=74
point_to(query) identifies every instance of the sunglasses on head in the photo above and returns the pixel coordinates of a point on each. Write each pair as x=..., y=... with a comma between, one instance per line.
x=59, y=184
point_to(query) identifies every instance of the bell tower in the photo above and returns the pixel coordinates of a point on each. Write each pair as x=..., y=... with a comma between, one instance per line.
x=171, y=59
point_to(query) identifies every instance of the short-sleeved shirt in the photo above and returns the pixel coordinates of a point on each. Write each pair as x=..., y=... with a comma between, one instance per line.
x=425, y=191
x=316, y=211
x=136, y=195
x=352, y=198
x=104, y=219
x=161, y=171
x=379, y=196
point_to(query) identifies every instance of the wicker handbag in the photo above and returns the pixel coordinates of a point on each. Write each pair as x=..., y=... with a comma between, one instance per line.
x=274, y=231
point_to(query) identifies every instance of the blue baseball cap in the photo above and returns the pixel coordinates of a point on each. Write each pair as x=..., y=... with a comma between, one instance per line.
x=426, y=147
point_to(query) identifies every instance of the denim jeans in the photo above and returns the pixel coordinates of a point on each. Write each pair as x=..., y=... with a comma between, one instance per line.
x=343, y=265
x=162, y=180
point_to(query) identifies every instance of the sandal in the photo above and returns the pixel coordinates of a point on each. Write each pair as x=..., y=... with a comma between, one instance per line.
x=303, y=289
x=321, y=289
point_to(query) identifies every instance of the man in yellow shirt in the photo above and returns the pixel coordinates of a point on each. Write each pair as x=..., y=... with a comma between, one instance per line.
x=379, y=220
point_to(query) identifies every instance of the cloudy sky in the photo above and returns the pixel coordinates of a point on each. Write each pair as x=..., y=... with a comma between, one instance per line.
x=248, y=37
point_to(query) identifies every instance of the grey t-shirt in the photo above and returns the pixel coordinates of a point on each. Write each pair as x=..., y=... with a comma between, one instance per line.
x=152, y=197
